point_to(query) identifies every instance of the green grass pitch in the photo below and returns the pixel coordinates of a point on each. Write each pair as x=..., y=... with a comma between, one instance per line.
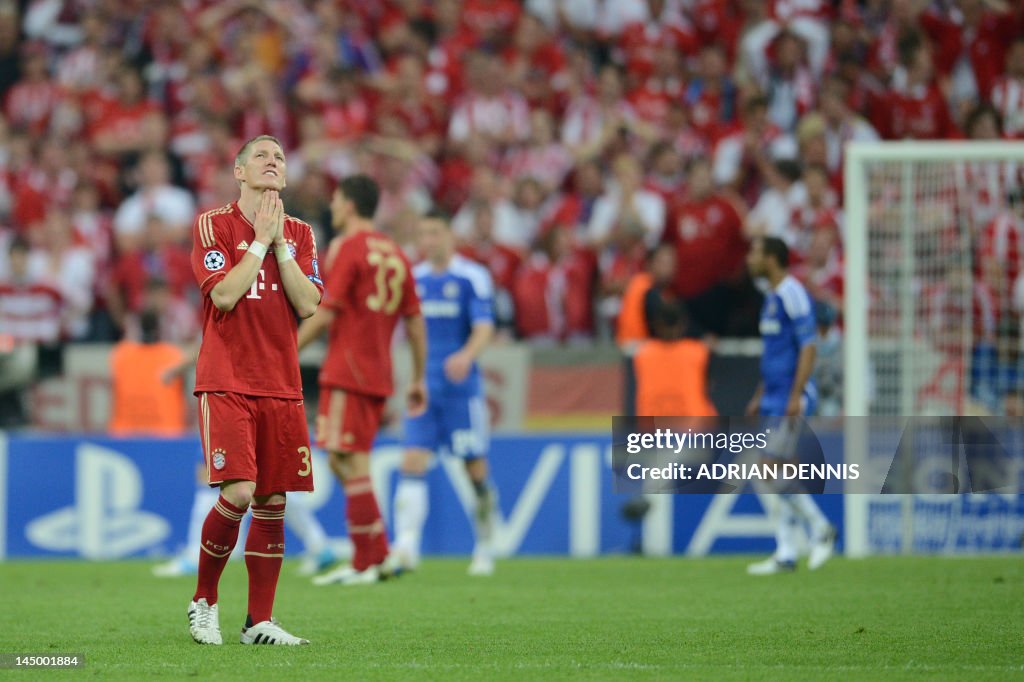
x=614, y=619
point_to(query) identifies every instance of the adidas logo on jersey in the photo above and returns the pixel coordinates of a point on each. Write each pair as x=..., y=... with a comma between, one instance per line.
x=242, y=245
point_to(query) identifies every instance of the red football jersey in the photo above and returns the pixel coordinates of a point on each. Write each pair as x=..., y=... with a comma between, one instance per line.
x=253, y=349
x=708, y=236
x=369, y=286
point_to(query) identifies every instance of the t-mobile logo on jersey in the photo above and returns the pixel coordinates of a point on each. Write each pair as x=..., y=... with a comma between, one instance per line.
x=260, y=284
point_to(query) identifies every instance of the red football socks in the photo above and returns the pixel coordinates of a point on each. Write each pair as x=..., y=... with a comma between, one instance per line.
x=264, y=552
x=365, y=525
x=220, y=533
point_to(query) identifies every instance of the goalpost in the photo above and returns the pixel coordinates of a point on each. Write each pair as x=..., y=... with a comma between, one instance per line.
x=928, y=330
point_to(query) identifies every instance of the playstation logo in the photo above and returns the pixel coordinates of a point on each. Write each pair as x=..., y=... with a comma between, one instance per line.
x=106, y=522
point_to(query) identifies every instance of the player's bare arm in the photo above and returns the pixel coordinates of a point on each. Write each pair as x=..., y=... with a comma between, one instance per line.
x=458, y=364
x=227, y=292
x=416, y=393
x=804, y=368
x=312, y=328
x=188, y=361
x=301, y=292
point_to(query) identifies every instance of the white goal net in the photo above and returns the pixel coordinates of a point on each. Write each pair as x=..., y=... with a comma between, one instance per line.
x=934, y=300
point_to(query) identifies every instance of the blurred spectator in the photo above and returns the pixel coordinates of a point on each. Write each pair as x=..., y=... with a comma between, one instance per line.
x=786, y=79
x=528, y=207
x=712, y=96
x=405, y=176
x=489, y=108
x=47, y=183
x=812, y=211
x=131, y=123
x=409, y=107
x=67, y=266
x=626, y=207
x=30, y=315
x=772, y=215
x=1008, y=91
x=591, y=124
x=32, y=100
x=153, y=256
x=575, y=208
x=985, y=185
x=485, y=188
x=502, y=261
x=999, y=251
x=706, y=229
x=970, y=39
x=551, y=293
x=542, y=157
x=80, y=70
x=821, y=271
x=915, y=106
x=31, y=307
x=744, y=158
x=536, y=63
x=667, y=174
x=142, y=403
x=155, y=197
x=806, y=19
x=842, y=125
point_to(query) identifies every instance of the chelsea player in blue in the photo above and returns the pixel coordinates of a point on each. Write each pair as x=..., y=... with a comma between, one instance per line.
x=456, y=301
x=787, y=391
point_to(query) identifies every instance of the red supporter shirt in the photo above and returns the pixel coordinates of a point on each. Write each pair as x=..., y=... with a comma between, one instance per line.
x=253, y=349
x=502, y=261
x=708, y=237
x=919, y=115
x=369, y=287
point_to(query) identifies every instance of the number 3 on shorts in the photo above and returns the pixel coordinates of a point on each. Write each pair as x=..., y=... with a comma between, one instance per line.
x=306, y=464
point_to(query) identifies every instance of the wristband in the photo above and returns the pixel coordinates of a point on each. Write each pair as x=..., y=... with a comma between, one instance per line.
x=283, y=253
x=257, y=249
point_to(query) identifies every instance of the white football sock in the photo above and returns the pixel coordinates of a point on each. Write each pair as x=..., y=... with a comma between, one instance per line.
x=411, y=507
x=811, y=513
x=483, y=519
x=785, y=528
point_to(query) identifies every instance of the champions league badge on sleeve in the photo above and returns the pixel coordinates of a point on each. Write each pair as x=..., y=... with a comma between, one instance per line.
x=214, y=260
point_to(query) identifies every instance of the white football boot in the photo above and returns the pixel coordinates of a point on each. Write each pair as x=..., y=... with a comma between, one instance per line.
x=270, y=632
x=203, y=622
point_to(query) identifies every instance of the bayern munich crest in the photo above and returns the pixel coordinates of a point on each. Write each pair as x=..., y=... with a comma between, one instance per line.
x=214, y=260
x=219, y=459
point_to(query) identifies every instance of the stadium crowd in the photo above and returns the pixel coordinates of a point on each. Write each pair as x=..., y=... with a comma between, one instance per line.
x=567, y=138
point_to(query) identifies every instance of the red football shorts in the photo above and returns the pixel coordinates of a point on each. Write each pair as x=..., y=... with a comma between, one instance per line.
x=347, y=422
x=255, y=438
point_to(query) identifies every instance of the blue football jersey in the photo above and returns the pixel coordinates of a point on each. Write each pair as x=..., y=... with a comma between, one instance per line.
x=787, y=325
x=452, y=301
